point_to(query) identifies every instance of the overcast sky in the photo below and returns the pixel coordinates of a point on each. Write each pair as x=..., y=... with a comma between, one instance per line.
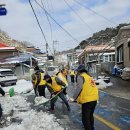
x=80, y=19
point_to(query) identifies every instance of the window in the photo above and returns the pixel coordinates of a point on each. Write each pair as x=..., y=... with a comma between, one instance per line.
x=120, y=54
x=106, y=58
x=113, y=57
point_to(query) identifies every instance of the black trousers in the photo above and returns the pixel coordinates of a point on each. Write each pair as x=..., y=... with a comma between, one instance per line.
x=87, y=115
x=0, y=111
x=72, y=78
x=61, y=95
x=41, y=90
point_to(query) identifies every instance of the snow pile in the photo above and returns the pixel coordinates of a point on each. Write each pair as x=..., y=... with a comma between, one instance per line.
x=125, y=74
x=40, y=100
x=21, y=86
x=12, y=103
x=30, y=119
x=18, y=109
x=101, y=84
x=126, y=69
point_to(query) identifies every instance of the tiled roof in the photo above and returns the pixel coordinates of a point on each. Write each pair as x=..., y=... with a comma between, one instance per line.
x=98, y=48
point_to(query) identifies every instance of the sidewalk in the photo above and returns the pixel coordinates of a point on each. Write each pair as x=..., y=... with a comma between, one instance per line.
x=120, y=87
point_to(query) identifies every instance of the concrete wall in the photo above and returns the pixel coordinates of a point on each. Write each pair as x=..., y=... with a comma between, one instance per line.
x=107, y=67
x=123, y=40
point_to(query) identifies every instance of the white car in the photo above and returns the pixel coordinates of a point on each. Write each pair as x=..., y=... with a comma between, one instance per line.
x=52, y=70
x=7, y=77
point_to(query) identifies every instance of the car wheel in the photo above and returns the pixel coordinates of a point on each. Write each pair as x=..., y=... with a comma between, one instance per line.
x=2, y=85
x=13, y=84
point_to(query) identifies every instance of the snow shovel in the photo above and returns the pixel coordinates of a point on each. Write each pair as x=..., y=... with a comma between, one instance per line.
x=46, y=101
x=11, y=92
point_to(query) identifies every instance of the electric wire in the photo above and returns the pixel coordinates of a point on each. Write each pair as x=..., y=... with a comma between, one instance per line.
x=95, y=12
x=47, y=19
x=47, y=46
x=37, y=21
x=57, y=23
x=78, y=16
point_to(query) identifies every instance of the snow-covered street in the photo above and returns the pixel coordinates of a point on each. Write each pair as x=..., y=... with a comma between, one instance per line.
x=18, y=114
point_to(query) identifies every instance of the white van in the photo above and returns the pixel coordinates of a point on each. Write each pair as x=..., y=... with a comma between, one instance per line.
x=7, y=77
x=52, y=70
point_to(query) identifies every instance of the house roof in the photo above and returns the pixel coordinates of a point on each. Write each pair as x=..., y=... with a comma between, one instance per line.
x=3, y=45
x=97, y=49
x=7, y=48
x=17, y=59
x=125, y=27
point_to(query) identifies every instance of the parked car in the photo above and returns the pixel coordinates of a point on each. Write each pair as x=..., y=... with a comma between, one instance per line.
x=52, y=70
x=7, y=77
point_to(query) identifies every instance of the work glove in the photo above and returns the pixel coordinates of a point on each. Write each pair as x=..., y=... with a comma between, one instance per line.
x=63, y=87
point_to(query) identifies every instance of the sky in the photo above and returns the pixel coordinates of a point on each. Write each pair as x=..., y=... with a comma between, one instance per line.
x=70, y=21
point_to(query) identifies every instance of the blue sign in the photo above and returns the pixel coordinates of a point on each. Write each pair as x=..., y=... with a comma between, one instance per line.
x=3, y=11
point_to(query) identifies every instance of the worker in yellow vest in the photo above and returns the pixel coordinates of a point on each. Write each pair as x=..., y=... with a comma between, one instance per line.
x=87, y=95
x=39, y=84
x=65, y=71
x=57, y=87
x=62, y=76
x=72, y=74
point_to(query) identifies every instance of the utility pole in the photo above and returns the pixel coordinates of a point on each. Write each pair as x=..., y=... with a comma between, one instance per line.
x=47, y=57
x=54, y=49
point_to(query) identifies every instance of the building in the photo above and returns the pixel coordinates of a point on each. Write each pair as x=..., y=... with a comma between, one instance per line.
x=122, y=47
x=7, y=51
x=98, y=54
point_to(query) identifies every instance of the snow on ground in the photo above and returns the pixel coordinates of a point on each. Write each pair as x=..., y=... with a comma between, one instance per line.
x=102, y=84
x=21, y=86
x=17, y=108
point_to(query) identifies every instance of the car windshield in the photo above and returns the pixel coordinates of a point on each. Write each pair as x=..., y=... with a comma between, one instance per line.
x=51, y=68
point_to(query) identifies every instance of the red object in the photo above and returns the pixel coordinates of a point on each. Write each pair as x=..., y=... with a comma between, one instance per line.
x=3, y=45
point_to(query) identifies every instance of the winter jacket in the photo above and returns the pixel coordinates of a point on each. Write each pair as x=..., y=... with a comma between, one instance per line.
x=37, y=79
x=88, y=89
x=56, y=84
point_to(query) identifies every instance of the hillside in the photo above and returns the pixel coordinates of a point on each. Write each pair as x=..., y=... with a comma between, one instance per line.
x=5, y=38
x=101, y=37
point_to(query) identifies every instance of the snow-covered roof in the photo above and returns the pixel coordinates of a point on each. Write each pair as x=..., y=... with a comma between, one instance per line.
x=5, y=70
x=125, y=27
x=7, y=48
x=17, y=59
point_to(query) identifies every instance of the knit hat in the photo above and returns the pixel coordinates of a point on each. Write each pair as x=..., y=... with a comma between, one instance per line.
x=46, y=76
x=80, y=67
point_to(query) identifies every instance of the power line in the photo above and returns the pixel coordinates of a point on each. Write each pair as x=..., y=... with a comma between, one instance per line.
x=37, y=21
x=47, y=18
x=94, y=12
x=78, y=15
x=57, y=22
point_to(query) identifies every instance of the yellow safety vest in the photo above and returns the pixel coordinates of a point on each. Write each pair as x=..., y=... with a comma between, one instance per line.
x=72, y=72
x=56, y=87
x=42, y=81
x=63, y=78
x=89, y=90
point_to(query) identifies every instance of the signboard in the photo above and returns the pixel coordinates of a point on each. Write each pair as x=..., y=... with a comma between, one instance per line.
x=3, y=11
